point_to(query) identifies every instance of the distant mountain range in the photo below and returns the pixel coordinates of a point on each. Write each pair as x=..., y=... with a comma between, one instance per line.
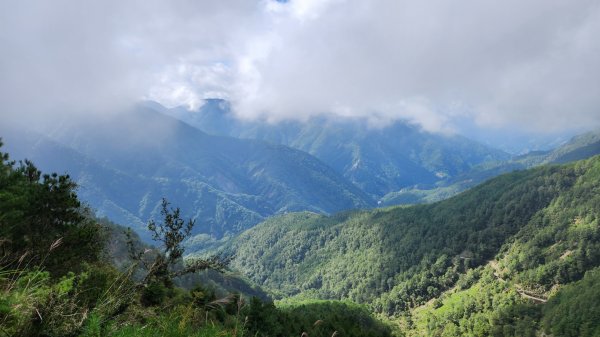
x=125, y=163
x=235, y=174
x=377, y=160
x=579, y=147
x=396, y=164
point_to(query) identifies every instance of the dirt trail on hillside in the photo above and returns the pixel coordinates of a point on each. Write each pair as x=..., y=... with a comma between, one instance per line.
x=494, y=265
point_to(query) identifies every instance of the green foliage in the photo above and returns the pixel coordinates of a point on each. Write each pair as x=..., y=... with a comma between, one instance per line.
x=179, y=322
x=313, y=317
x=574, y=311
x=51, y=274
x=202, y=296
x=35, y=304
x=171, y=233
x=40, y=214
x=480, y=264
x=556, y=247
x=93, y=327
x=154, y=293
x=51, y=270
x=323, y=318
x=264, y=319
x=164, y=265
x=489, y=307
x=396, y=258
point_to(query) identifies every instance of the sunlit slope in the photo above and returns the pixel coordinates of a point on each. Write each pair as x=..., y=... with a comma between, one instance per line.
x=518, y=237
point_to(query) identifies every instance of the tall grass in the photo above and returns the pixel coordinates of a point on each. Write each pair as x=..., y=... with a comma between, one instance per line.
x=34, y=303
x=23, y=290
x=172, y=327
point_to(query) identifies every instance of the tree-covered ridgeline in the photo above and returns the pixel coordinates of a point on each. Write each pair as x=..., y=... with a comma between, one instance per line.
x=401, y=256
x=487, y=262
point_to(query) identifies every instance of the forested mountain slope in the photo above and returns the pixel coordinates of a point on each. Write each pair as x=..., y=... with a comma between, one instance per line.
x=125, y=163
x=474, y=264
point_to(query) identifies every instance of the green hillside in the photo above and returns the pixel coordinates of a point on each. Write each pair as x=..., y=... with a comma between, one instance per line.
x=482, y=263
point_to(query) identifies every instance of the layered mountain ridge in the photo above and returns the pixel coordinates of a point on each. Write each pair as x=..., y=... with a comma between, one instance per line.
x=379, y=160
x=125, y=163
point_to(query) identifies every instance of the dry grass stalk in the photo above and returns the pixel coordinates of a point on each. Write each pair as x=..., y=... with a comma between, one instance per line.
x=22, y=258
x=55, y=244
x=220, y=302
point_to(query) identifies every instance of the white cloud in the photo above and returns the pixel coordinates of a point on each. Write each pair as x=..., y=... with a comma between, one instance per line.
x=189, y=84
x=89, y=56
x=532, y=63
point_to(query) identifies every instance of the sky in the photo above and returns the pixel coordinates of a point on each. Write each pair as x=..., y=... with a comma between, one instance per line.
x=529, y=65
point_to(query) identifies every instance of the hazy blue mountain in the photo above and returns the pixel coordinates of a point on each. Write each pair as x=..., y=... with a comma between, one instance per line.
x=579, y=147
x=378, y=160
x=512, y=139
x=125, y=163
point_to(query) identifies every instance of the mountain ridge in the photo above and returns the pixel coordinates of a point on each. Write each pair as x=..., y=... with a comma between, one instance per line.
x=226, y=184
x=377, y=160
x=577, y=148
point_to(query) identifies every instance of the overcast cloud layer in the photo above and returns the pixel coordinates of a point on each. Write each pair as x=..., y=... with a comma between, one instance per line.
x=530, y=63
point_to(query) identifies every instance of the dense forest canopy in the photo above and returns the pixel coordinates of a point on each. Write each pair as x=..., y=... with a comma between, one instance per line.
x=516, y=241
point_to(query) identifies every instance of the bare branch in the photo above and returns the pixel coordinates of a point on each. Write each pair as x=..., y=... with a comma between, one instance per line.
x=215, y=262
